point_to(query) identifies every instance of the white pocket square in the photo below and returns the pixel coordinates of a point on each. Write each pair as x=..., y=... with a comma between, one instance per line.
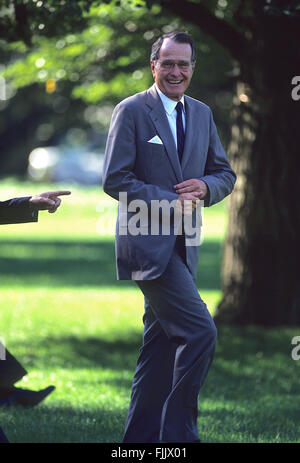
x=156, y=140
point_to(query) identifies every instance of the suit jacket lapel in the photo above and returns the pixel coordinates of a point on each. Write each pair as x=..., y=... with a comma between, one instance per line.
x=159, y=119
x=190, y=131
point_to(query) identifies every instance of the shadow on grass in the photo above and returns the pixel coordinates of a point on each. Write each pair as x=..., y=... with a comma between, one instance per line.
x=63, y=424
x=248, y=361
x=71, y=352
x=251, y=361
x=59, y=263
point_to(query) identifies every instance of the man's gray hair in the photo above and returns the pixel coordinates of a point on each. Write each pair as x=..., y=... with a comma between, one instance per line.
x=179, y=37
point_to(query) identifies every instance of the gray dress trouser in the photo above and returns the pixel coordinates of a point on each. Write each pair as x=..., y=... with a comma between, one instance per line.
x=178, y=348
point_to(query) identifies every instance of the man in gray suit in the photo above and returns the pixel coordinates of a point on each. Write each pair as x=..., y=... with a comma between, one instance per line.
x=163, y=145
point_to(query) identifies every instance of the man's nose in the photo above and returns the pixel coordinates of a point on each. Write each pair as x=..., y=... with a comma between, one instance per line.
x=175, y=71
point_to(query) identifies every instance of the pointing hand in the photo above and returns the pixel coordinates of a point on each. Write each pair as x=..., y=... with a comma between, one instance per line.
x=47, y=201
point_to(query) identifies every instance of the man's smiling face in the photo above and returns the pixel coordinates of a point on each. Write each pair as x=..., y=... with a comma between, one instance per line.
x=173, y=70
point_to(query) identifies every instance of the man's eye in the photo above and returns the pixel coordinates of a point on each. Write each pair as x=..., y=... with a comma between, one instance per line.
x=170, y=64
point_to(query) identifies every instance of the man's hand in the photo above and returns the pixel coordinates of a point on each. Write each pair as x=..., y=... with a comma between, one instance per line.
x=186, y=202
x=47, y=201
x=192, y=186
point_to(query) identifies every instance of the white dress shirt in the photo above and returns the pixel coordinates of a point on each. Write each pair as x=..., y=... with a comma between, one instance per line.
x=171, y=112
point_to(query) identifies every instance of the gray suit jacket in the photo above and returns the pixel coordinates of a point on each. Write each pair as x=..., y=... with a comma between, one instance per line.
x=148, y=171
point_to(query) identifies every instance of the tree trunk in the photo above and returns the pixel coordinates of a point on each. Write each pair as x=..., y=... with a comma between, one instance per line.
x=261, y=266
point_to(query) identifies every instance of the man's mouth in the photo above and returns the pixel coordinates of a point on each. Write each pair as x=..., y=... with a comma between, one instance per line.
x=174, y=82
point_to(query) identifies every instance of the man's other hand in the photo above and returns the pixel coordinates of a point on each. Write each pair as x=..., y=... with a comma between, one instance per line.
x=187, y=202
x=193, y=185
x=47, y=201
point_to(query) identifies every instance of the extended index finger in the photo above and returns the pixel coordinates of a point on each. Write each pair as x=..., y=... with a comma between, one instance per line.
x=59, y=193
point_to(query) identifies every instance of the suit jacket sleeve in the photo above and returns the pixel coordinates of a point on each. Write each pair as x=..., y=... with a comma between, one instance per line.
x=120, y=157
x=219, y=176
x=17, y=210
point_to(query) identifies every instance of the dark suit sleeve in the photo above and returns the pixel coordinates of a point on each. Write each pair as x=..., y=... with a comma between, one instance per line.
x=218, y=174
x=17, y=210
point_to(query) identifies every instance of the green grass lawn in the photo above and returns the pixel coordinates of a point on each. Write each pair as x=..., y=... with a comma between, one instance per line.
x=71, y=324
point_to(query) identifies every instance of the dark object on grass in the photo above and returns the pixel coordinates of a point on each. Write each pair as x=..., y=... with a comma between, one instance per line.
x=24, y=397
x=3, y=438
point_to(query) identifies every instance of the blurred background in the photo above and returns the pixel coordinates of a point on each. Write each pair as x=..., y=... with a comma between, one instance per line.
x=60, y=92
x=63, y=68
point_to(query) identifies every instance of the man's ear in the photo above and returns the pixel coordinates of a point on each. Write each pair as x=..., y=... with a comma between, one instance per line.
x=152, y=65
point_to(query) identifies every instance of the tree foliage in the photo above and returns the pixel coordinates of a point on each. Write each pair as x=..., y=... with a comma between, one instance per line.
x=75, y=78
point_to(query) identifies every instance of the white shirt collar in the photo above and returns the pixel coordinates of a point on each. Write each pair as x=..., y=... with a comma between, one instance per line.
x=169, y=104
